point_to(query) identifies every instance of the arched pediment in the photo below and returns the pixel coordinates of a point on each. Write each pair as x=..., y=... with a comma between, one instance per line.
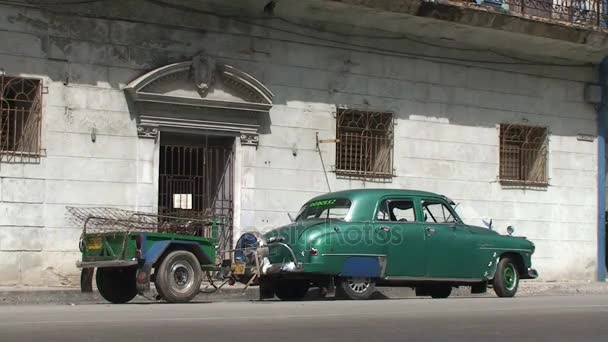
x=201, y=82
x=201, y=94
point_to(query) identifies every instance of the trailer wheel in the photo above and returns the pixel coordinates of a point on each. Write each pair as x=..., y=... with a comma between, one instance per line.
x=116, y=284
x=291, y=290
x=179, y=276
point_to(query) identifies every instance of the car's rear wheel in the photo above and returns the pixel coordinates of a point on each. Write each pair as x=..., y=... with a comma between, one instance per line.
x=440, y=291
x=506, y=279
x=178, y=278
x=116, y=284
x=356, y=288
x=434, y=290
x=291, y=290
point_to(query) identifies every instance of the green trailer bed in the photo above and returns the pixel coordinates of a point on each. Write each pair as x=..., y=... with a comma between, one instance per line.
x=129, y=250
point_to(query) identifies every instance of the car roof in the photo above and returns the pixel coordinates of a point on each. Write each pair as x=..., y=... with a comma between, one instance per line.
x=375, y=193
x=364, y=201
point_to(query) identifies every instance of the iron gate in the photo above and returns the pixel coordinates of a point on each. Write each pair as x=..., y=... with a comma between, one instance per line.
x=198, y=182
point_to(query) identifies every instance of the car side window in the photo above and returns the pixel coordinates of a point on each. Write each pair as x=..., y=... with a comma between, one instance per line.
x=399, y=210
x=437, y=212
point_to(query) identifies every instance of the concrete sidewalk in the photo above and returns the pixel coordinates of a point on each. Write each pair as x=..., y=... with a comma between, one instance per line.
x=64, y=295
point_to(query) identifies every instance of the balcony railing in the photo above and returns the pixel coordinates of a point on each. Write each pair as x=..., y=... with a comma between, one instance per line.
x=581, y=12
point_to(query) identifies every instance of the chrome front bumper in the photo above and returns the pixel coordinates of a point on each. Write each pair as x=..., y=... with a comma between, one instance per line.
x=531, y=274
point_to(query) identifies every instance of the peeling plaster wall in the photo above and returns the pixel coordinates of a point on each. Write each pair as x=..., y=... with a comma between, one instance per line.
x=38, y=245
x=446, y=133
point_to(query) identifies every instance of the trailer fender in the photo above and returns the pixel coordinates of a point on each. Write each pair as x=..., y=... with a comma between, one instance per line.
x=159, y=248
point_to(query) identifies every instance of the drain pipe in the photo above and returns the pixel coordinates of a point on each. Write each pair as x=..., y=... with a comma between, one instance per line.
x=601, y=171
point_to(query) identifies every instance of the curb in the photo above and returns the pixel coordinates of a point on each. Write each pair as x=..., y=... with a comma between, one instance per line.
x=73, y=296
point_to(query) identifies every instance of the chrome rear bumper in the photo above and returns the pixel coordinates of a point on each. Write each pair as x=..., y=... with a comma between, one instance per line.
x=268, y=268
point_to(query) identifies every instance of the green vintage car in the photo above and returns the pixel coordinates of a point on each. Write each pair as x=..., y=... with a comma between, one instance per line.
x=349, y=242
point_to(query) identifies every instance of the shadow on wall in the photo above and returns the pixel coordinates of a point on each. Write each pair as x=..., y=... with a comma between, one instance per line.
x=304, y=72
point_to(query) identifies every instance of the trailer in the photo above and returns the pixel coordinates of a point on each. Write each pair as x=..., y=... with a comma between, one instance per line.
x=127, y=251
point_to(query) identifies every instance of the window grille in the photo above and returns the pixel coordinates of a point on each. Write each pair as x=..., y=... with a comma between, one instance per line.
x=523, y=154
x=20, y=119
x=364, y=146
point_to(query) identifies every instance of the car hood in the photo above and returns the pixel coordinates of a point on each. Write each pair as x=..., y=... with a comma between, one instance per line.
x=500, y=240
x=482, y=231
x=291, y=233
x=487, y=231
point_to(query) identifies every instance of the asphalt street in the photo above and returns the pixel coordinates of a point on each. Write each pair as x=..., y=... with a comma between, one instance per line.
x=568, y=318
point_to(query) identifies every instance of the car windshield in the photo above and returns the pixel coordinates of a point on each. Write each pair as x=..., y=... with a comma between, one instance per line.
x=458, y=210
x=331, y=209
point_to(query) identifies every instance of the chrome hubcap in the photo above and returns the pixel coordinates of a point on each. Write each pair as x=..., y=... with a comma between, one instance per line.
x=182, y=276
x=359, y=285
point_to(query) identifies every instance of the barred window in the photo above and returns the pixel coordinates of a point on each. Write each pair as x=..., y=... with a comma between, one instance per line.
x=364, y=146
x=523, y=154
x=20, y=118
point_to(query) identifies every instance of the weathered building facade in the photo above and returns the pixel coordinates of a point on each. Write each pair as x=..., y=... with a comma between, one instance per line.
x=251, y=108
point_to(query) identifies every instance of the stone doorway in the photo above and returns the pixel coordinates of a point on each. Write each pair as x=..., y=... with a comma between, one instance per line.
x=196, y=179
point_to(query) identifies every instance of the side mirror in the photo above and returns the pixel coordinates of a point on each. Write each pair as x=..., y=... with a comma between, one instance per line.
x=510, y=230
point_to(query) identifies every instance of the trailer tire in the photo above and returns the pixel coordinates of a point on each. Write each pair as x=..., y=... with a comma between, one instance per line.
x=291, y=290
x=116, y=284
x=178, y=277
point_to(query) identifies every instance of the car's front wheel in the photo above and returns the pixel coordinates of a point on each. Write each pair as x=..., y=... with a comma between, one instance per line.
x=506, y=279
x=356, y=288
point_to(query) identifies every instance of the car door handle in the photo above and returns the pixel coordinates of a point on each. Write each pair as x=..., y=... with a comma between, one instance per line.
x=430, y=230
x=384, y=229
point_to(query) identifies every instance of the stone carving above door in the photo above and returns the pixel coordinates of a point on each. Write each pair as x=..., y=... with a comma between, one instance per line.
x=203, y=93
x=203, y=79
x=203, y=70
